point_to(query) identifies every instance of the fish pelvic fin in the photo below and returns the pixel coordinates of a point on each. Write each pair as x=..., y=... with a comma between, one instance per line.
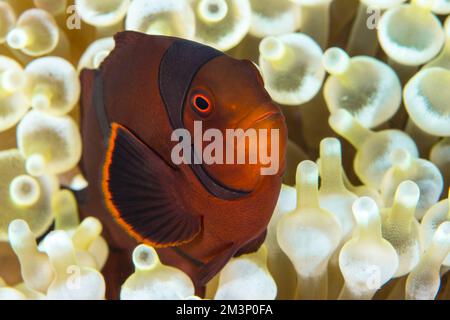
x=215, y=265
x=252, y=245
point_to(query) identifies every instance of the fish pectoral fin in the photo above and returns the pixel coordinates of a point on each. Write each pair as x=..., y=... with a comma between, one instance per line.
x=141, y=192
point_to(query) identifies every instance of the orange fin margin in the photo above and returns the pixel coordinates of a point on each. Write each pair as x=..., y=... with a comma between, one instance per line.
x=140, y=192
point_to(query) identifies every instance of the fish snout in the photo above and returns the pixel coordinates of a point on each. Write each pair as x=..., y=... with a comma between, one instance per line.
x=269, y=123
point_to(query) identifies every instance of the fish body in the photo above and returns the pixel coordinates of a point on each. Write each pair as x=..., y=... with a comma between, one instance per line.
x=196, y=215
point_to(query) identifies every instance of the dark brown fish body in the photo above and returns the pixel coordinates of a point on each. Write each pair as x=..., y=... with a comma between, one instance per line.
x=197, y=216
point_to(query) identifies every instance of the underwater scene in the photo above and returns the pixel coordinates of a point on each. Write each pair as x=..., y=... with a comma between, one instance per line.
x=224, y=149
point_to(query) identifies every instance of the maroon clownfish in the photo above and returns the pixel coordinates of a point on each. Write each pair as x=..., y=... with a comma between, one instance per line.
x=197, y=215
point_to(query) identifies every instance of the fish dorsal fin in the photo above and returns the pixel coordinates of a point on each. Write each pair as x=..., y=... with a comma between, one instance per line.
x=125, y=38
x=122, y=40
x=141, y=192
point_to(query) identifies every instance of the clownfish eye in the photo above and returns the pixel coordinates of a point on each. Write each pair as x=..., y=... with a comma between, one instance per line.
x=201, y=104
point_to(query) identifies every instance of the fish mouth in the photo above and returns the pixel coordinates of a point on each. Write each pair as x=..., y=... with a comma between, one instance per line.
x=251, y=122
x=266, y=116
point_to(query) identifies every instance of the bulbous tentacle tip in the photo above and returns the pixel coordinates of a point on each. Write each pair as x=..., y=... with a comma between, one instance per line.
x=78, y=182
x=18, y=230
x=17, y=38
x=35, y=165
x=59, y=247
x=336, y=61
x=92, y=224
x=145, y=257
x=41, y=102
x=212, y=11
x=401, y=157
x=331, y=147
x=13, y=80
x=272, y=48
x=307, y=173
x=407, y=194
x=24, y=190
x=110, y=14
x=365, y=210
